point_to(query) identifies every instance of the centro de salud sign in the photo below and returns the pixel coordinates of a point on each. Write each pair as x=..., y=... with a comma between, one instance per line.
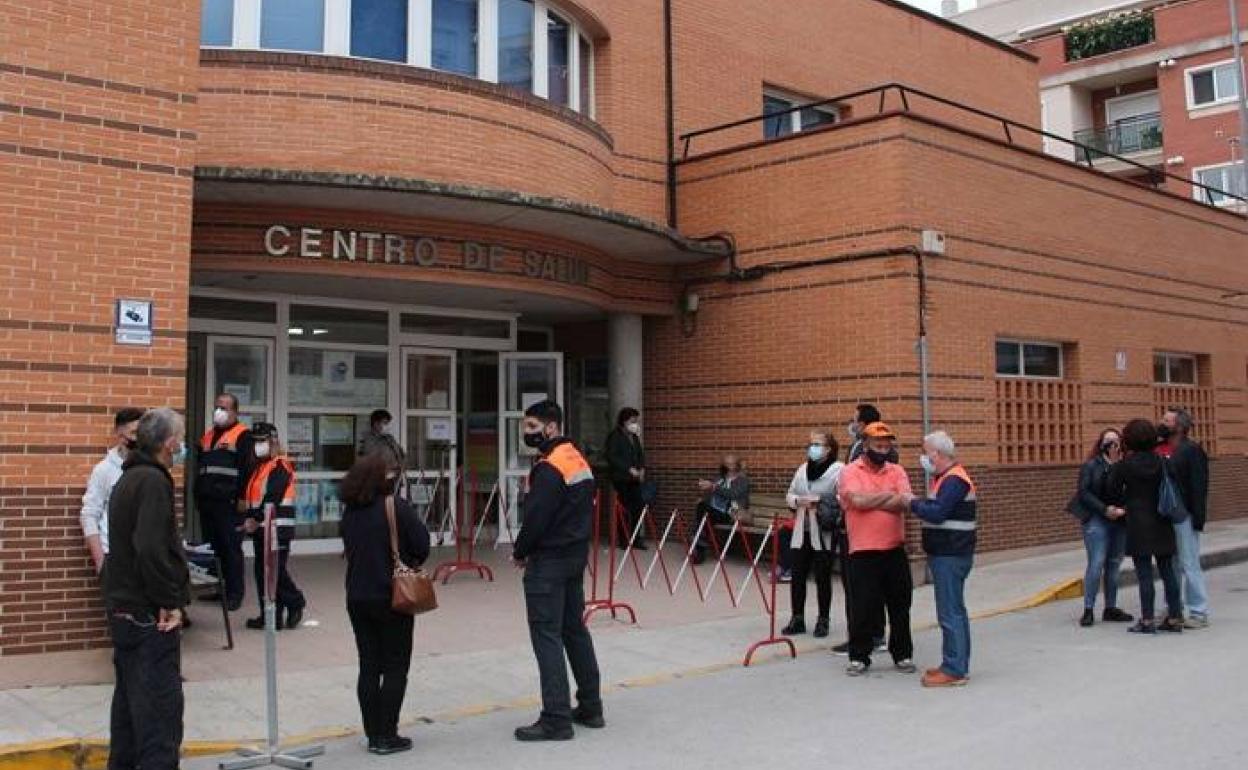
x=390, y=248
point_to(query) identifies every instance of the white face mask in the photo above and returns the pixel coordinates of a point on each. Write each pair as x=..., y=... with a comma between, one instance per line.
x=262, y=449
x=220, y=417
x=928, y=465
x=853, y=429
x=634, y=428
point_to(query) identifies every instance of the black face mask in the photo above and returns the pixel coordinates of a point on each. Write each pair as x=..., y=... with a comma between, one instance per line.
x=723, y=470
x=1163, y=433
x=131, y=444
x=534, y=440
x=878, y=458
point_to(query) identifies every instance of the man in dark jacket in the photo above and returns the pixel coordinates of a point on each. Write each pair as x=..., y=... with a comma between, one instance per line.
x=146, y=588
x=626, y=459
x=552, y=547
x=224, y=459
x=1190, y=466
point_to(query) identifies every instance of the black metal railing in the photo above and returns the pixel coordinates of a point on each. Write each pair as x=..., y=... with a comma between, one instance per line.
x=896, y=98
x=1124, y=137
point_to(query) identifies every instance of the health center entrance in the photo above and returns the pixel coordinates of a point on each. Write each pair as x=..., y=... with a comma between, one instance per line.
x=456, y=382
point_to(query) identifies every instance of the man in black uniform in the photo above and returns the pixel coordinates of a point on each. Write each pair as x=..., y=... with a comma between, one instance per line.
x=552, y=547
x=224, y=462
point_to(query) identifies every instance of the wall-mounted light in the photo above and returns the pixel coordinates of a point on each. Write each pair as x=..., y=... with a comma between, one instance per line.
x=1166, y=64
x=1175, y=160
x=689, y=302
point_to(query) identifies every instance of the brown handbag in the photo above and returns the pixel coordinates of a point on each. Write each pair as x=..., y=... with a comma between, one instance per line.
x=411, y=591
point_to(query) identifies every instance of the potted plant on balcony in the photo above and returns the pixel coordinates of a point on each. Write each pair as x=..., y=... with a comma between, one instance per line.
x=1108, y=33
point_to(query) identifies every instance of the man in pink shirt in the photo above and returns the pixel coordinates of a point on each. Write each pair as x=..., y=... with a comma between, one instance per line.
x=872, y=493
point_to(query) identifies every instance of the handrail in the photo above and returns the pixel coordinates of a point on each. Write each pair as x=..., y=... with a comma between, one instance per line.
x=1008, y=125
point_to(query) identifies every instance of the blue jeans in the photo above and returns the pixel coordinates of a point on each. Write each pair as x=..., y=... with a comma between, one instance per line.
x=1194, y=591
x=949, y=575
x=1106, y=542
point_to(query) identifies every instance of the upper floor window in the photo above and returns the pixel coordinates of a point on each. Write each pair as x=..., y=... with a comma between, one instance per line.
x=1017, y=358
x=1211, y=85
x=1174, y=369
x=786, y=119
x=524, y=44
x=1220, y=183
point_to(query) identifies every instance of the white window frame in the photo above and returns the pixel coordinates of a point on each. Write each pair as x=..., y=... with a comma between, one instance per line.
x=794, y=101
x=1022, y=362
x=1168, y=356
x=1218, y=101
x=337, y=42
x=1199, y=193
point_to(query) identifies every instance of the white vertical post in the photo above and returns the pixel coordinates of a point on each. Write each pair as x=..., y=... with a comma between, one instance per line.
x=541, y=52
x=487, y=40
x=338, y=27
x=247, y=23
x=420, y=33
x=574, y=67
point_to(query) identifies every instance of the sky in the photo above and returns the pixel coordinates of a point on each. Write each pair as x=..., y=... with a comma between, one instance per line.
x=931, y=6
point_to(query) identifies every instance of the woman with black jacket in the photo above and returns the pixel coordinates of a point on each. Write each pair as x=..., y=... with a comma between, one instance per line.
x=1136, y=481
x=1104, y=536
x=383, y=637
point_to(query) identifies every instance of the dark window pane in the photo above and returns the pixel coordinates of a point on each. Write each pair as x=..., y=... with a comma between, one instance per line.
x=233, y=310
x=331, y=324
x=1007, y=359
x=812, y=118
x=1042, y=361
x=379, y=29
x=532, y=341
x=1159, y=369
x=780, y=125
x=1182, y=370
x=452, y=326
x=1202, y=87
x=292, y=25
x=587, y=75
x=455, y=36
x=515, y=43
x=558, y=77
x=217, y=22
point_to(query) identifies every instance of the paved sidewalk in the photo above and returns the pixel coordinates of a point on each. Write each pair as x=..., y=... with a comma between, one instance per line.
x=321, y=699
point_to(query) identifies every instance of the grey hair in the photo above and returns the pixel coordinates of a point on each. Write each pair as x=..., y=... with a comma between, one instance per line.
x=1183, y=418
x=942, y=443
x=156, y=427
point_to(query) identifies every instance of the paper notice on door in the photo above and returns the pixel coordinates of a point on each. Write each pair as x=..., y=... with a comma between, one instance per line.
x=337, y=429
x=529, y=399
x=299, y=439
x=439, y=429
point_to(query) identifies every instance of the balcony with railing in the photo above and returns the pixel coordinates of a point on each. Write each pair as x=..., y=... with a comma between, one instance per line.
x=1124, y=137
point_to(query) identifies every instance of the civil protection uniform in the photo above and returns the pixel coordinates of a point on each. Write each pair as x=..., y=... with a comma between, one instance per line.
x=554, y=542
x=223, y=466
x=950, y=521
x=273, y=481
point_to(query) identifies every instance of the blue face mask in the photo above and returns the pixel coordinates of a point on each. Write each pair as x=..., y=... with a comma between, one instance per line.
x=179, y=456
x=815, y=452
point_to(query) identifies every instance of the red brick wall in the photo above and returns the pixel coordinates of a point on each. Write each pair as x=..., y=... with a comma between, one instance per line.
x=97, y=145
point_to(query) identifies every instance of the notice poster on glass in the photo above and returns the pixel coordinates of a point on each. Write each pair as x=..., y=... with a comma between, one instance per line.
x=337, y=429
x=307, y=502
x=338, y=371
x=331, y=504
x=300, y=443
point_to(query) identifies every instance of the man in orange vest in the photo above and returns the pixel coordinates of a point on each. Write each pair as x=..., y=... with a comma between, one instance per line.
x=552, y=547
x=273, y=481
x=224, y=459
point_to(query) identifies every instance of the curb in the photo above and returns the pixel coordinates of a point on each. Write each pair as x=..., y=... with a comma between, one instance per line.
x=92, y=753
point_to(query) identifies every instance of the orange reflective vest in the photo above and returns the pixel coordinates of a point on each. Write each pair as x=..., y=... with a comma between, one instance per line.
x=570, y=463
x=263, y=488
x=956, y=535
x=219, y=465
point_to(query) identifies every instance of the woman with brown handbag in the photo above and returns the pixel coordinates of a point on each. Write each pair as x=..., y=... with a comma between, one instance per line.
x=383, y=636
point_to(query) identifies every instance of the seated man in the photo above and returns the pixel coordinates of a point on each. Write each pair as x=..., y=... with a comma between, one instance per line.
x=721, y=499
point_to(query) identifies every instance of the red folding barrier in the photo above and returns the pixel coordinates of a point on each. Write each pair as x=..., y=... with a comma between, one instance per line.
x=772, y=638
x=465, y=558
x=607, y=603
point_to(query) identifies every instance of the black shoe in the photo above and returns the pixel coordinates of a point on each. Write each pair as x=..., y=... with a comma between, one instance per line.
x=392, y=745
x=294, y=616
x=1089, y=617
x=698, y=556
x=256, y=623
x=1115, y=615
x=796, y=626
x=587, y=718
x=841, y=649
x=540, y=731
x=821, y=628
x=1173, y=624
x=640, y=545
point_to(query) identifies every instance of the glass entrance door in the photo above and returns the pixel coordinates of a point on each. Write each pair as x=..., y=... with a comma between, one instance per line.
x=430, y=434
x=242, y=367
x=523, y=380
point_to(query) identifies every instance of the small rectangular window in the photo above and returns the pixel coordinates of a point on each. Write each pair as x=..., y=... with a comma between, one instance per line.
x=310, y=323
x=1212, y=85
x=455, y=36
x=781, y=124
x=1029, y=359
x=379, y=29
x=515, y=43
x=292, y=25
x=558, y=35
x=454, y=326
x=1217, y=182
x=233, y=310
x=217, y=23
x=1174, y=369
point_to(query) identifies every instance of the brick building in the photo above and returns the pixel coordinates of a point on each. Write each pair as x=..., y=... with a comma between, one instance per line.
x=453, y=207
x=1155, y=84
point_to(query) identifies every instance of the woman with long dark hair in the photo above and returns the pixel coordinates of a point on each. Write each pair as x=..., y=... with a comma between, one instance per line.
x=1136, y=481
x=1104, y=532
x=383, y=637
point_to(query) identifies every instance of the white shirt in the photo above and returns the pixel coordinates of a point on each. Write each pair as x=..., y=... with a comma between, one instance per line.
x=801, y=487
x=94, y=514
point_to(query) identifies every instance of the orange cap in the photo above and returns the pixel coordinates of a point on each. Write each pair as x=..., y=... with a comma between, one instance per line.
x=879, y=430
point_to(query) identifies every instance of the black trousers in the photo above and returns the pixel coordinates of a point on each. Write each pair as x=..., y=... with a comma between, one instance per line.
x=880, y=580
x=805, y=561
x=221, y=522
x=554, y=595
x=629, y=493
x=1169, y=582
x=288, y=594
x=842, y=548
x=717, y=517
x=146, y=720
x=383, y=639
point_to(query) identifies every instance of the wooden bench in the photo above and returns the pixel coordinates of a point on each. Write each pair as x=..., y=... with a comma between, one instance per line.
x=753, y=522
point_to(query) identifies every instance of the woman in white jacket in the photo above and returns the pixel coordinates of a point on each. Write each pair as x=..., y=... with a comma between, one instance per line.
x=812, y=547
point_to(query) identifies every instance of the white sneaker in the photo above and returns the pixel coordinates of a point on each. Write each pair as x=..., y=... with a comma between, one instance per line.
x=1195, y=621
x=856, y=668
x=906, y=666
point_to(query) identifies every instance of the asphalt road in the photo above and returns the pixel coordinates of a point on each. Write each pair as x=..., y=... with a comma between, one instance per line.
x=1045, y=694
